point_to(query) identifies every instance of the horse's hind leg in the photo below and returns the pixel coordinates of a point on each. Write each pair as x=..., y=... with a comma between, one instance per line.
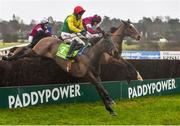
x=102, y=93
x=134, y=74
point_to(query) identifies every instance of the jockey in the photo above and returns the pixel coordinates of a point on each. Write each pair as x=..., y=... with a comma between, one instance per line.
x=91, y=24
x=40, y=31
x=73, y=29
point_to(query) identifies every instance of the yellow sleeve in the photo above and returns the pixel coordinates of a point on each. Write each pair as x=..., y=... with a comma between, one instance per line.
x=71, y=26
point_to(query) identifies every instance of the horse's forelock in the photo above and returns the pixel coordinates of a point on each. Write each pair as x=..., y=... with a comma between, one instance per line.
x=128, y=22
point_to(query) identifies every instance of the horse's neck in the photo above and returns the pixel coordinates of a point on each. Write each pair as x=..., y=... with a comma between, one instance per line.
x=118, y=37
x=95, y=53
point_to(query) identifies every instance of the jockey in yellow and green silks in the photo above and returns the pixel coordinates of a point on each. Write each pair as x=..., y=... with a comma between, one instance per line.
x=73, y=25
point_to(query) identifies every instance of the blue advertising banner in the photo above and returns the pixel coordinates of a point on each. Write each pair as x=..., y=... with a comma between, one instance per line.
x=141, y=54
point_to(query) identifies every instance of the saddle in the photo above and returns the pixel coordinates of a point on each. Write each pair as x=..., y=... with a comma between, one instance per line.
x=64, y=48
x=63, y=51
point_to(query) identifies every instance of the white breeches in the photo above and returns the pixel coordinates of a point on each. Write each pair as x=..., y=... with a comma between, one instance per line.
x=30, y=39
x=72, y=36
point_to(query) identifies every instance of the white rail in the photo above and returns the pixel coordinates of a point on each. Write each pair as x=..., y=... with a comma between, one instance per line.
x=5, y=51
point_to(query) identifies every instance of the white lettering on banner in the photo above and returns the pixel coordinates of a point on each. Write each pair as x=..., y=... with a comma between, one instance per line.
x=18, y=102
x=34, y=98
x=48, y=94
x=11, y=100
x=64, y=91
x=145, y=89
x=71, y=91
x=170, y=55
x=43, y=96
x=55, y=94
x=26, y=99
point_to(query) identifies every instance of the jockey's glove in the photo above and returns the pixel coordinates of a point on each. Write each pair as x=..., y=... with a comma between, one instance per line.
x=89, y=44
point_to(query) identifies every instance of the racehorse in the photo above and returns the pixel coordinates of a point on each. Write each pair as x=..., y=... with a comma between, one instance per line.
x=126, y=28
x=85, y=65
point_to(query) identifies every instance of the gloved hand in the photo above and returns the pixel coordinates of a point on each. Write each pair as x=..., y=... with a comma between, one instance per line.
x=83, y=32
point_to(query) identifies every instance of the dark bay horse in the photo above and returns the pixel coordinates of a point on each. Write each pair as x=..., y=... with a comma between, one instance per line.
x=86, y=65
x=126, y=28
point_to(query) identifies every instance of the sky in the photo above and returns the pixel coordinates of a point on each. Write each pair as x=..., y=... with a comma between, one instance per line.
x=59, y=9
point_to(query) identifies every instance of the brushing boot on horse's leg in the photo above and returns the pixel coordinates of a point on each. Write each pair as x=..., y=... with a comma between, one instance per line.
x=72, y=48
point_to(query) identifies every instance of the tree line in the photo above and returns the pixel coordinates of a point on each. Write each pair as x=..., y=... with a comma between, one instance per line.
x=150, y=28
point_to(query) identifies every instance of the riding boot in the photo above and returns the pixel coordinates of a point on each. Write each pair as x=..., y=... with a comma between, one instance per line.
x=72, y=48
x=30, y=45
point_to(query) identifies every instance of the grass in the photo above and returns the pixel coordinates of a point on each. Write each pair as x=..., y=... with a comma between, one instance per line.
x=148, y=110
x=9, y=44
x=133, y=47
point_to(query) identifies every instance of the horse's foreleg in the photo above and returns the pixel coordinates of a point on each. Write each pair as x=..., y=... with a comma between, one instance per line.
x=132, y=68
x=105, y=93
x=102, y=92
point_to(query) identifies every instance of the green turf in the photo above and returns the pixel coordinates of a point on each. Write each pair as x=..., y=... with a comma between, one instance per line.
x=9, y=44
x=133, y=47
x=149, y=110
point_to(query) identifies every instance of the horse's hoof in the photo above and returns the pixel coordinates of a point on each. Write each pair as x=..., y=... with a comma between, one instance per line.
x=4, y=58
x=139, y=77
x=112, y=102
x=113, y=113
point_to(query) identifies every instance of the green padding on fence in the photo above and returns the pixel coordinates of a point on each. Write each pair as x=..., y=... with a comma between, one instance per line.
x=13, y=97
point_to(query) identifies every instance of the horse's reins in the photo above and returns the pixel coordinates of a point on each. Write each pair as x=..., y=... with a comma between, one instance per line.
x=112, y=34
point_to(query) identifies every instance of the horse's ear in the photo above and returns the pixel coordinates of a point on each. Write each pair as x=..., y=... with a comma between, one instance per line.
x=124, y=22
x=128, y=21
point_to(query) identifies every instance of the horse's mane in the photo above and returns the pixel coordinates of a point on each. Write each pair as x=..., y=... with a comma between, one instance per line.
x=113, y=29
x=95, y=41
